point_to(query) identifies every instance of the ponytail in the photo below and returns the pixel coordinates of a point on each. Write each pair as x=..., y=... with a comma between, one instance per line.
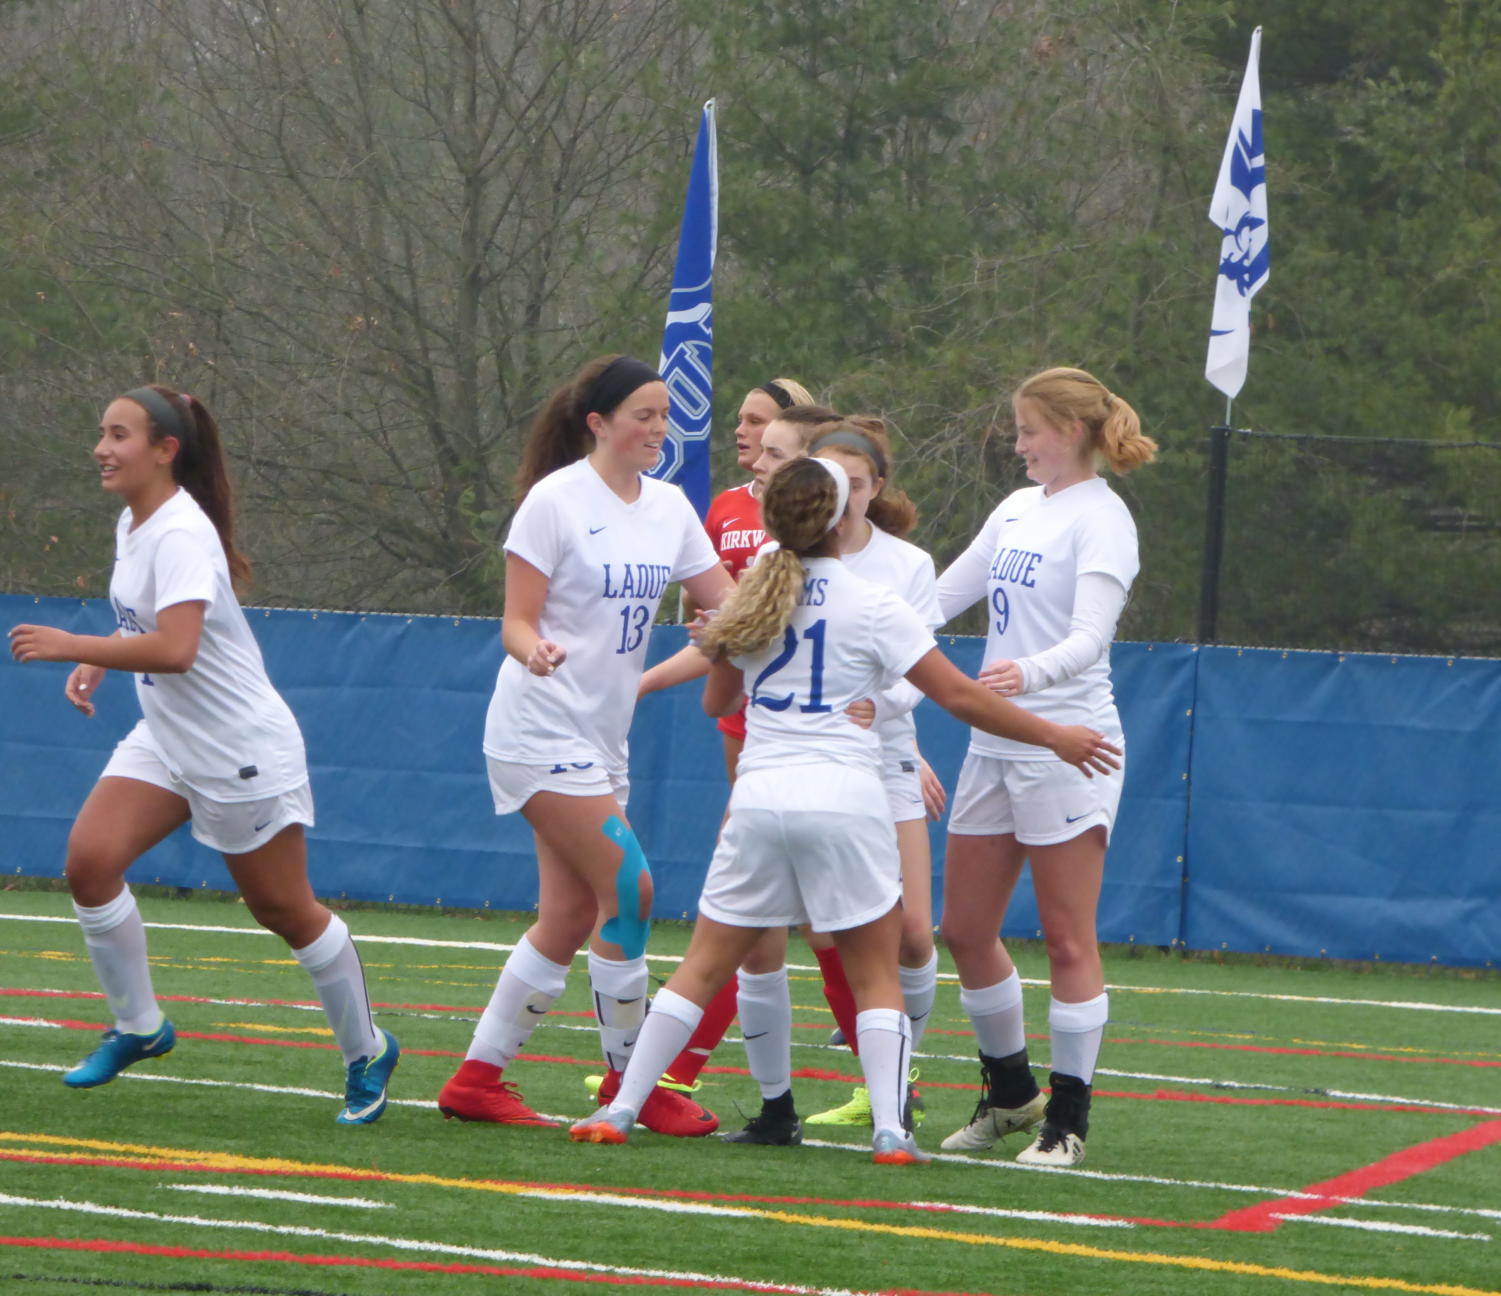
x=560, y=434
x=198, y=466
x=1113, y=426
x=892, y=509
x=797, y=511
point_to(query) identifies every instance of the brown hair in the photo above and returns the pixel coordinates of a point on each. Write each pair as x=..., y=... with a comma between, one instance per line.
x=199, y=468
x=1113, y=426
x=796, y=510
x=560, y=435
x=808, y=421
x=892, y=509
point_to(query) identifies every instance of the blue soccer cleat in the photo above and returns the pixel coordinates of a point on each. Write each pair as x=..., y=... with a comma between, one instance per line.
x=117, y=1051
x=365, y=1084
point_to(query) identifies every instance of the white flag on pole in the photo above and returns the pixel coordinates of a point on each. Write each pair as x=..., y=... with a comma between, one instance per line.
x=1238, y=210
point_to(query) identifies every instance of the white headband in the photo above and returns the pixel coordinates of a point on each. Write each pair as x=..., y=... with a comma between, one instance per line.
x=841, y=489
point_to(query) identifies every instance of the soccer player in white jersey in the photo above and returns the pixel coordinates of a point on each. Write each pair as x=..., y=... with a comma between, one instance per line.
x=1053, y=563
x=593, y=547
x=873, y=548
x=216, y=747
x=809, y=837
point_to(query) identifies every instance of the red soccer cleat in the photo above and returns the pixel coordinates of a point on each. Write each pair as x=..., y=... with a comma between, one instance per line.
x=476, y=1092
x=666, y=1111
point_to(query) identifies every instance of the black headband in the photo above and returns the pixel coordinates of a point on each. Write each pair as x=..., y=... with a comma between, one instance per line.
x=778, y=393
x=616, y=381
x=852, y=440
x=170, y=421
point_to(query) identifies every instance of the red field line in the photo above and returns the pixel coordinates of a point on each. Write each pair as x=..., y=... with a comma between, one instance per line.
x=810, y=1073
x=1286, y=1051
x=1356, y=1183
x=424, y=1266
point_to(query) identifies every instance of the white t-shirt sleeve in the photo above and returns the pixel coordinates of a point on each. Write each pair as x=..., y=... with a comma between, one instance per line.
x=904, y=640
x=182, y=571
x=965, y=580
x=1098, y=602
x=696, y=552
x=536, y=533
x=1105, y=542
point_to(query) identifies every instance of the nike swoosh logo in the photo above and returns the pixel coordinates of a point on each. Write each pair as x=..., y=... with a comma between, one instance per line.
x=597, y=530
x=631, y=1043
x=258, y=827
x=1075, y=818
x=541, y=1012
x=757, y=1035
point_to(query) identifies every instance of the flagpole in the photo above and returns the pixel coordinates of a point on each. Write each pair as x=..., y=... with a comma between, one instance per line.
x=1238, y=210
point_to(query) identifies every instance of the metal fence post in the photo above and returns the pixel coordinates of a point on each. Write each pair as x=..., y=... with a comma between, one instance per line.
x=1214, y=533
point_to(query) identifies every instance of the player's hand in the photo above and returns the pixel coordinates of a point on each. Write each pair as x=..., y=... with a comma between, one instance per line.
x=1003, y=677
x=1086, y=749
x=700, y=623
x=862, y=712
x=546, y=657
x=934, y=798
x=30, y=643
x=83, y=683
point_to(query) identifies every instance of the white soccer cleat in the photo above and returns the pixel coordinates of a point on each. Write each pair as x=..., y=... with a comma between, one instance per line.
x=991, y=1123
x=1053, y=1147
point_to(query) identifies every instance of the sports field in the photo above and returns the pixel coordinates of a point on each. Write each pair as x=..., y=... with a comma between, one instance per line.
x=1256, y=1129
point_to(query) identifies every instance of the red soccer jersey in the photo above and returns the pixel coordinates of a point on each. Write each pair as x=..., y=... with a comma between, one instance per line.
x=734, y=526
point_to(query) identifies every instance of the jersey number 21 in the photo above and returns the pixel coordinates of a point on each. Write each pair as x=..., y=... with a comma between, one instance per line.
x=813, y=635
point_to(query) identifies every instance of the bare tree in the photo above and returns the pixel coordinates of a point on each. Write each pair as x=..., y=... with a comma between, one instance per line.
x=373, y=233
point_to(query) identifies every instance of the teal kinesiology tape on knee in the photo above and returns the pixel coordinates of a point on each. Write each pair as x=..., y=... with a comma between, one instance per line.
x=629, y=927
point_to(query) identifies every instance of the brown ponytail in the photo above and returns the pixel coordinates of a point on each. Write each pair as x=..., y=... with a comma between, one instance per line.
x=892, y=510
x=560, y=434
x=200, y=469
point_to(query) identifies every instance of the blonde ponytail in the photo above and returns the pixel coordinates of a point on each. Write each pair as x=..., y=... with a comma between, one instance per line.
x=1065, y=395
x=796, y=509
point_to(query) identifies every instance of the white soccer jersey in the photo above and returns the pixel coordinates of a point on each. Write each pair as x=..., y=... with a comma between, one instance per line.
x=848, y=639
x=607, y=565
x=906, y=571
x=1024, y=563
x=219, y=726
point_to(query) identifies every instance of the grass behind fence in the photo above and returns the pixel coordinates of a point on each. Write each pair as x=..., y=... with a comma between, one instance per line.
x=1226, y=1090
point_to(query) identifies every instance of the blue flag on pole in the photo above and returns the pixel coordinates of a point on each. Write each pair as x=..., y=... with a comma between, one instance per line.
x=687, y=364
x=1238, y=210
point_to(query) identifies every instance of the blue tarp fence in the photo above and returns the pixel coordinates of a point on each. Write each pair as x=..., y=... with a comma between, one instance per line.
x=1295, y=803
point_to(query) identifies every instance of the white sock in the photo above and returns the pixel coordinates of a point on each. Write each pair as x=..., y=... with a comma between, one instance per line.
x=339, y=978
x=765, y=1006
x=529, y=985
x=919, y=989
x=1078, y=1031
x=619, y=1006
x=995, y=1011
x=115, y=937
x=667, y=1028
x=885, y=1051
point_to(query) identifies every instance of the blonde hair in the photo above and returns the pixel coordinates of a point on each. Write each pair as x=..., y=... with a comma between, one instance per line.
x=1114, y=429
x=800, y=394
x=795, y=510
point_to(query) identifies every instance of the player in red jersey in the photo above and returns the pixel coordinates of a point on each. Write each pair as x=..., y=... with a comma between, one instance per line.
x=734, y=518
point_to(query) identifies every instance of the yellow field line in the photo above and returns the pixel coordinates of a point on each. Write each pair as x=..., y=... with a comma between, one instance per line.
x=1206, y=1264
